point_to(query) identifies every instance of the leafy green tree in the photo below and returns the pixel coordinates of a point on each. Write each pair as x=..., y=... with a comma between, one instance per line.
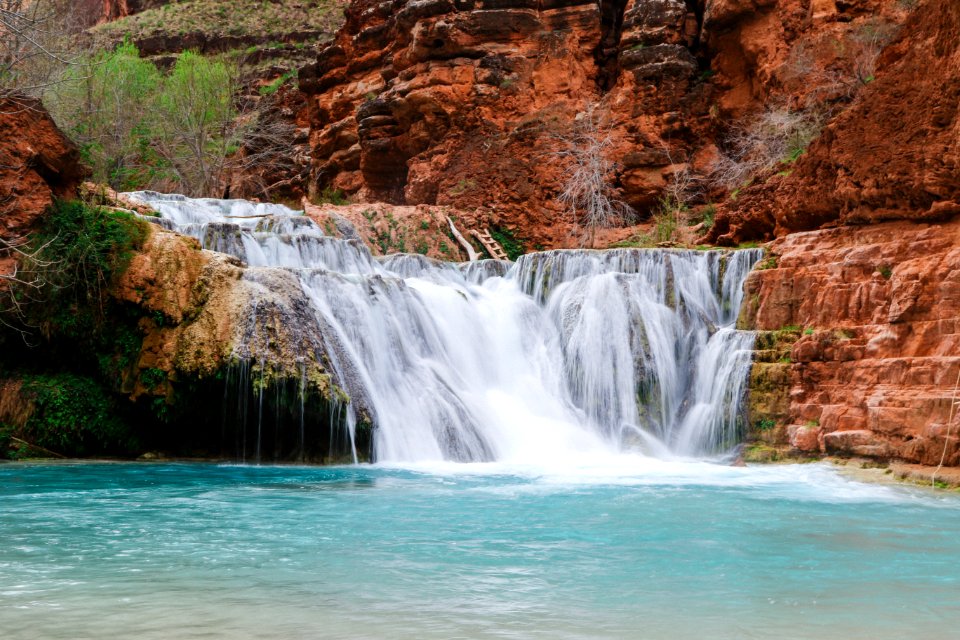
x=104, y=105
x=140, y=129
x=196, y=122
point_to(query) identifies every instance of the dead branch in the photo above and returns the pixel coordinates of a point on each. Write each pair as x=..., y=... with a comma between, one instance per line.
x=588, y=195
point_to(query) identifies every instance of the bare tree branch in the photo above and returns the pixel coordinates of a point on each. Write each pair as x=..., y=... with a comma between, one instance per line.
x=35, y=43
x=590, y=199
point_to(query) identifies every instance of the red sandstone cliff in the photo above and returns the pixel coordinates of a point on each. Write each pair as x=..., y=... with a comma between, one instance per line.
x=465, y=103
x=874, y=301
x=877, y=312
x=893, y=154
x=37, y=164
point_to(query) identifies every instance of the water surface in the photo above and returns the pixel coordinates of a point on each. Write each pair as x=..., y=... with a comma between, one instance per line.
x=621, y=548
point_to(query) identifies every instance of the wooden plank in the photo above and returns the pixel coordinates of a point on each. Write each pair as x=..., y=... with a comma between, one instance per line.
x=491, y=245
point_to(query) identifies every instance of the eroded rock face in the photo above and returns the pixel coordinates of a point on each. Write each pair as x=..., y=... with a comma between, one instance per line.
x=876, y=310
x=893, y=154
x=467, y=103
x=37, y=164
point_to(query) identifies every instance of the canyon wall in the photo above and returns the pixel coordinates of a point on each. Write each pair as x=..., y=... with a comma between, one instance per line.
x=468, y=103
x=34, y=170
x=872, y=300
x=474, y=104
x=860, y=346
x=894, y=153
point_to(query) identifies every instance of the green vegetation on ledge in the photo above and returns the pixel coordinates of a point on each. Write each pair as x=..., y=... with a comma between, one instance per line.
x=269, y=21
x=512, y=245
x=78, y=254
x=139, y=128
x=70, y=415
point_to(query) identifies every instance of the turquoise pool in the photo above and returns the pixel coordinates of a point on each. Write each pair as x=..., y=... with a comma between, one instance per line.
x=627, y=548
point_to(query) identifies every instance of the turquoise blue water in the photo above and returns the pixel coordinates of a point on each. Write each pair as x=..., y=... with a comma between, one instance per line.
x=628, y=549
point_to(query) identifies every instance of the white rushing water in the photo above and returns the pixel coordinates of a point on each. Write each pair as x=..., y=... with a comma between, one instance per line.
x=564, y=354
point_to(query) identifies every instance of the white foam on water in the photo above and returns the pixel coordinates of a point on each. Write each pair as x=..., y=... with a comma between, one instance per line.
x=813, y=482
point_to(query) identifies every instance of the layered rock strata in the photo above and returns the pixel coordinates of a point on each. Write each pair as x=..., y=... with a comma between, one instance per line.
x=873, y=315
x=473, y=104
x=469, y=103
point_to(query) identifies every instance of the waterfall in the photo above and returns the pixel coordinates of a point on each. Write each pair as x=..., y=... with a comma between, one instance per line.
x=563, y=354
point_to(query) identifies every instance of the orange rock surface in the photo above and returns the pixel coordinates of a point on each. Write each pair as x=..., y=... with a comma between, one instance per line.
x=874, y=371
x=89, y=12
x=466, y=104
x=37, y=164
x=893, y=154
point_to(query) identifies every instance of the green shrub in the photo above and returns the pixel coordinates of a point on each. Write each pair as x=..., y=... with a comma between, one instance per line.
x=764, y=424
x=329, y=195
x=512, y=245
x=153, y=378
x=79, y=252
x=708, y=214
x=273, y=87
x=768, y=263
x=72, y=416
x=140, y=129
x=668, y=218
x=638, y=241
x=104, y=103
x=195, y=126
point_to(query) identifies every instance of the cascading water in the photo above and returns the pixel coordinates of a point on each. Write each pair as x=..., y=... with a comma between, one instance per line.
x=563, y=354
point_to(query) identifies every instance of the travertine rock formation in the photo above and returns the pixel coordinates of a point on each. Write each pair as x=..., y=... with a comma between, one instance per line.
x=215, y=312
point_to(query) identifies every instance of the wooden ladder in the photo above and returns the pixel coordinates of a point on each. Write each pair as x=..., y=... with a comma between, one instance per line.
x=492, y=246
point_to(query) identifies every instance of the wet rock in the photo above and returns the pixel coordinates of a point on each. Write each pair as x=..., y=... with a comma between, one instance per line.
x=861, y=442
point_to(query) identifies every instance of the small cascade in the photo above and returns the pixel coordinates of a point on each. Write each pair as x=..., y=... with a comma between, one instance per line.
x=559, y=355
x=648, y=340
